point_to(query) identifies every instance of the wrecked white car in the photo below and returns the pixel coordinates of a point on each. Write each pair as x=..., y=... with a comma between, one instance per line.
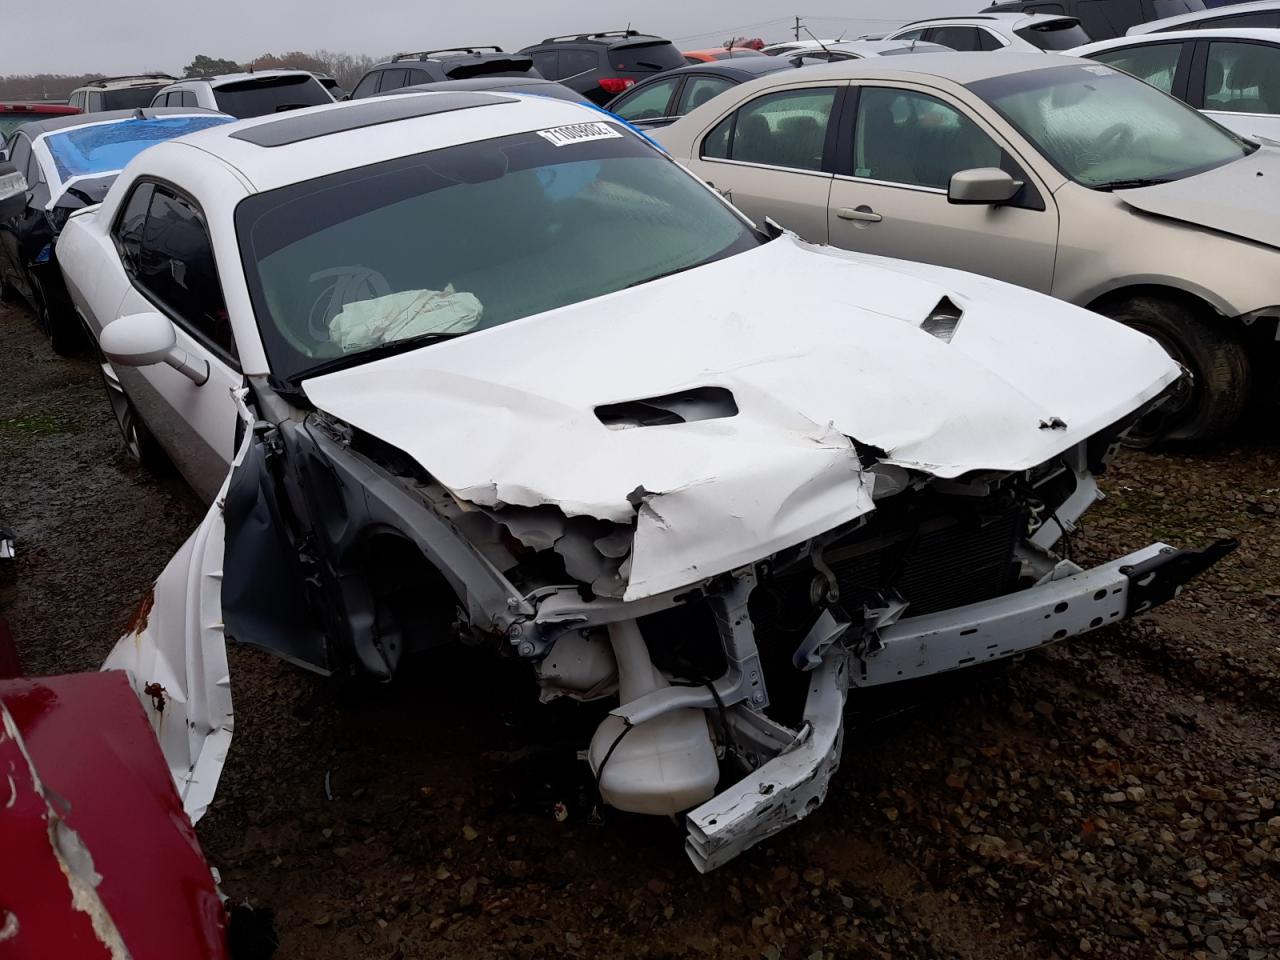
x=504, y=373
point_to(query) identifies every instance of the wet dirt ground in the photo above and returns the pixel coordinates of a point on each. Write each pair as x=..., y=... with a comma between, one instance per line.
x=1116, y=796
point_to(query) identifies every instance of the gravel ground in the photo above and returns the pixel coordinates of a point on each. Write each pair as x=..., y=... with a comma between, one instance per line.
x=1118, y=796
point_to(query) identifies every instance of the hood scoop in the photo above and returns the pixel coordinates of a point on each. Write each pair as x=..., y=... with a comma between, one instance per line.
x=687, y=406
x=943, y=320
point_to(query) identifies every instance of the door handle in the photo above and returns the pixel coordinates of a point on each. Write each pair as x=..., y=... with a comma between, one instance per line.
x=862, y=214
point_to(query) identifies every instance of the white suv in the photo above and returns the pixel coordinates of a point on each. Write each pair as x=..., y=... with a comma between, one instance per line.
x=246, y=94
x=1018, y=32
x=118, y=93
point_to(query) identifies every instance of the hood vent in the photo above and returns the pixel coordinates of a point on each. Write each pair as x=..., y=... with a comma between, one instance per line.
x=688, y=406
x=943, y=320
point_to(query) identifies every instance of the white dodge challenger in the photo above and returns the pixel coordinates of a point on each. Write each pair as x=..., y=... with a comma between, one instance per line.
x=489, y=368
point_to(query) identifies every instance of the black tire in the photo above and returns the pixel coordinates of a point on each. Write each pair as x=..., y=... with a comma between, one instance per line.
x=62, y=328
x=1212, y=396
x=139, y=443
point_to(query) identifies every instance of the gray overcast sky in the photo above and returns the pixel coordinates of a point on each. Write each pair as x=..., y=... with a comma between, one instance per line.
x=121, y=36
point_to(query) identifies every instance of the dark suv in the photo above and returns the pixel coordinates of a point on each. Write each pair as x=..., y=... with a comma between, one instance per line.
x=432, y=66
x=1102, y=19
x=601, y=65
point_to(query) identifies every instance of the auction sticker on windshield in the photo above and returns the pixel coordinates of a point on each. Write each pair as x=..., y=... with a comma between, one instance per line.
x=577, y=133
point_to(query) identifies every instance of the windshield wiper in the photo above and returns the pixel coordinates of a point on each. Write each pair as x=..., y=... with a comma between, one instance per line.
x=1132, y=183
x=388, y=349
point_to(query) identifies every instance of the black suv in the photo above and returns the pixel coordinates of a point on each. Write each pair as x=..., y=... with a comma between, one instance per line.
x=601, y=65
x=432, y=66
x=1102, y=19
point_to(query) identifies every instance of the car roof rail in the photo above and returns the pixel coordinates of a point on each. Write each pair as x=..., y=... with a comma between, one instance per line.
x=955, y=16
x=129, y=76
x=428, y=54
x=598, y=35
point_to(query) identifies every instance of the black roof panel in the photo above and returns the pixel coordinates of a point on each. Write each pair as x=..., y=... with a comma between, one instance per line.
x=310, y=124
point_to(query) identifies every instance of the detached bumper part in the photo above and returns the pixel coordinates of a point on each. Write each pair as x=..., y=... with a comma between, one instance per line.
x=794, y=782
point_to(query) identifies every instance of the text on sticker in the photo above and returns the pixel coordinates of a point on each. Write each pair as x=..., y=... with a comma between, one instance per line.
x=577, y=133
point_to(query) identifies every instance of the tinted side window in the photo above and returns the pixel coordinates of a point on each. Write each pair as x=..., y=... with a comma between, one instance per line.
x=987, y=41
x=787, y=129
x=1156, y=63
x=576, y=62
x=367, y=86
x=1242, y=77
x=957, y=38
x=188, y=99
x=21, y=157
x=547, y=63
x=128, y=230
x=1103, y=19
x=698, y=90
x=176, y=267
x=912, y=138
x=910, y=35
x=648, y=103
x=1260, y=18
x=417, y=76
x=392, y=80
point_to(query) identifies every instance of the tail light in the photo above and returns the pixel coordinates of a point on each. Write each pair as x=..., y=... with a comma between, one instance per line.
x=615, y=85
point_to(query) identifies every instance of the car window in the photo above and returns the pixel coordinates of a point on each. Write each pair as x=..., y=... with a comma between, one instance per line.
x=1109, y=18
x=259, y=96
x=574, y=63
x=1106, y=130
x=1055, y=35
x=1054, y=8
x=905, y=137
x=532, y=226
x=988, y=40
x=1242, y=77
x=21, y=157
x=189, y=99
x=392, y=79
x=647, y=103
x=129, y=226
x=957, y=38
x=698, y=90
x=94, y=99
x=1258, y=18
x=126, y=98
x=367, y=86
x=787, y=129
x=547, y=63
x=646, y=57
x=417, y=76
x=1156, y=63
x=176, y=268
x=910, y=35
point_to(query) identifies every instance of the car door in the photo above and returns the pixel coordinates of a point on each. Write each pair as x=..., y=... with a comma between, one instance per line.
x=163, y=242
x=17, y=233
x=1165, y=64
x=772, y=157
x=896, y=153
x=1237, y=83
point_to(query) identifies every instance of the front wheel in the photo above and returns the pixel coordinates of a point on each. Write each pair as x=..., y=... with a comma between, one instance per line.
x=57, y=325
x=139, y=444
x=1211, y=396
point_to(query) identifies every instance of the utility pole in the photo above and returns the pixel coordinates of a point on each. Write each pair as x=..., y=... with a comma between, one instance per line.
x=797, y=29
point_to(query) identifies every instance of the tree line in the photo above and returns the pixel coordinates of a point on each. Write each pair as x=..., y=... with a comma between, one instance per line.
x=346, y=68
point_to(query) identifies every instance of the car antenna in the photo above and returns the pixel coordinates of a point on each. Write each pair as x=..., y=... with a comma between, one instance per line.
x=806, y=29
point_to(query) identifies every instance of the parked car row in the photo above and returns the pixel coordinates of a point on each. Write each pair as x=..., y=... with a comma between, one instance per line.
x=802, y=389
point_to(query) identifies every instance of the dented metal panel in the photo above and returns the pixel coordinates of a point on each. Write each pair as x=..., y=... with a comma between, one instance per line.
x=833, y=356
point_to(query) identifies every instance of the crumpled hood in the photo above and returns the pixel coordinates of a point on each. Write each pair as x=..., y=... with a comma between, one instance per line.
x=816, y=346
x=1240, y=198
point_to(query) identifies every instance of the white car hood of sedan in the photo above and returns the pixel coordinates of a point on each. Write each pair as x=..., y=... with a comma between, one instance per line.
x=816, y=345
x=1241, y=198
